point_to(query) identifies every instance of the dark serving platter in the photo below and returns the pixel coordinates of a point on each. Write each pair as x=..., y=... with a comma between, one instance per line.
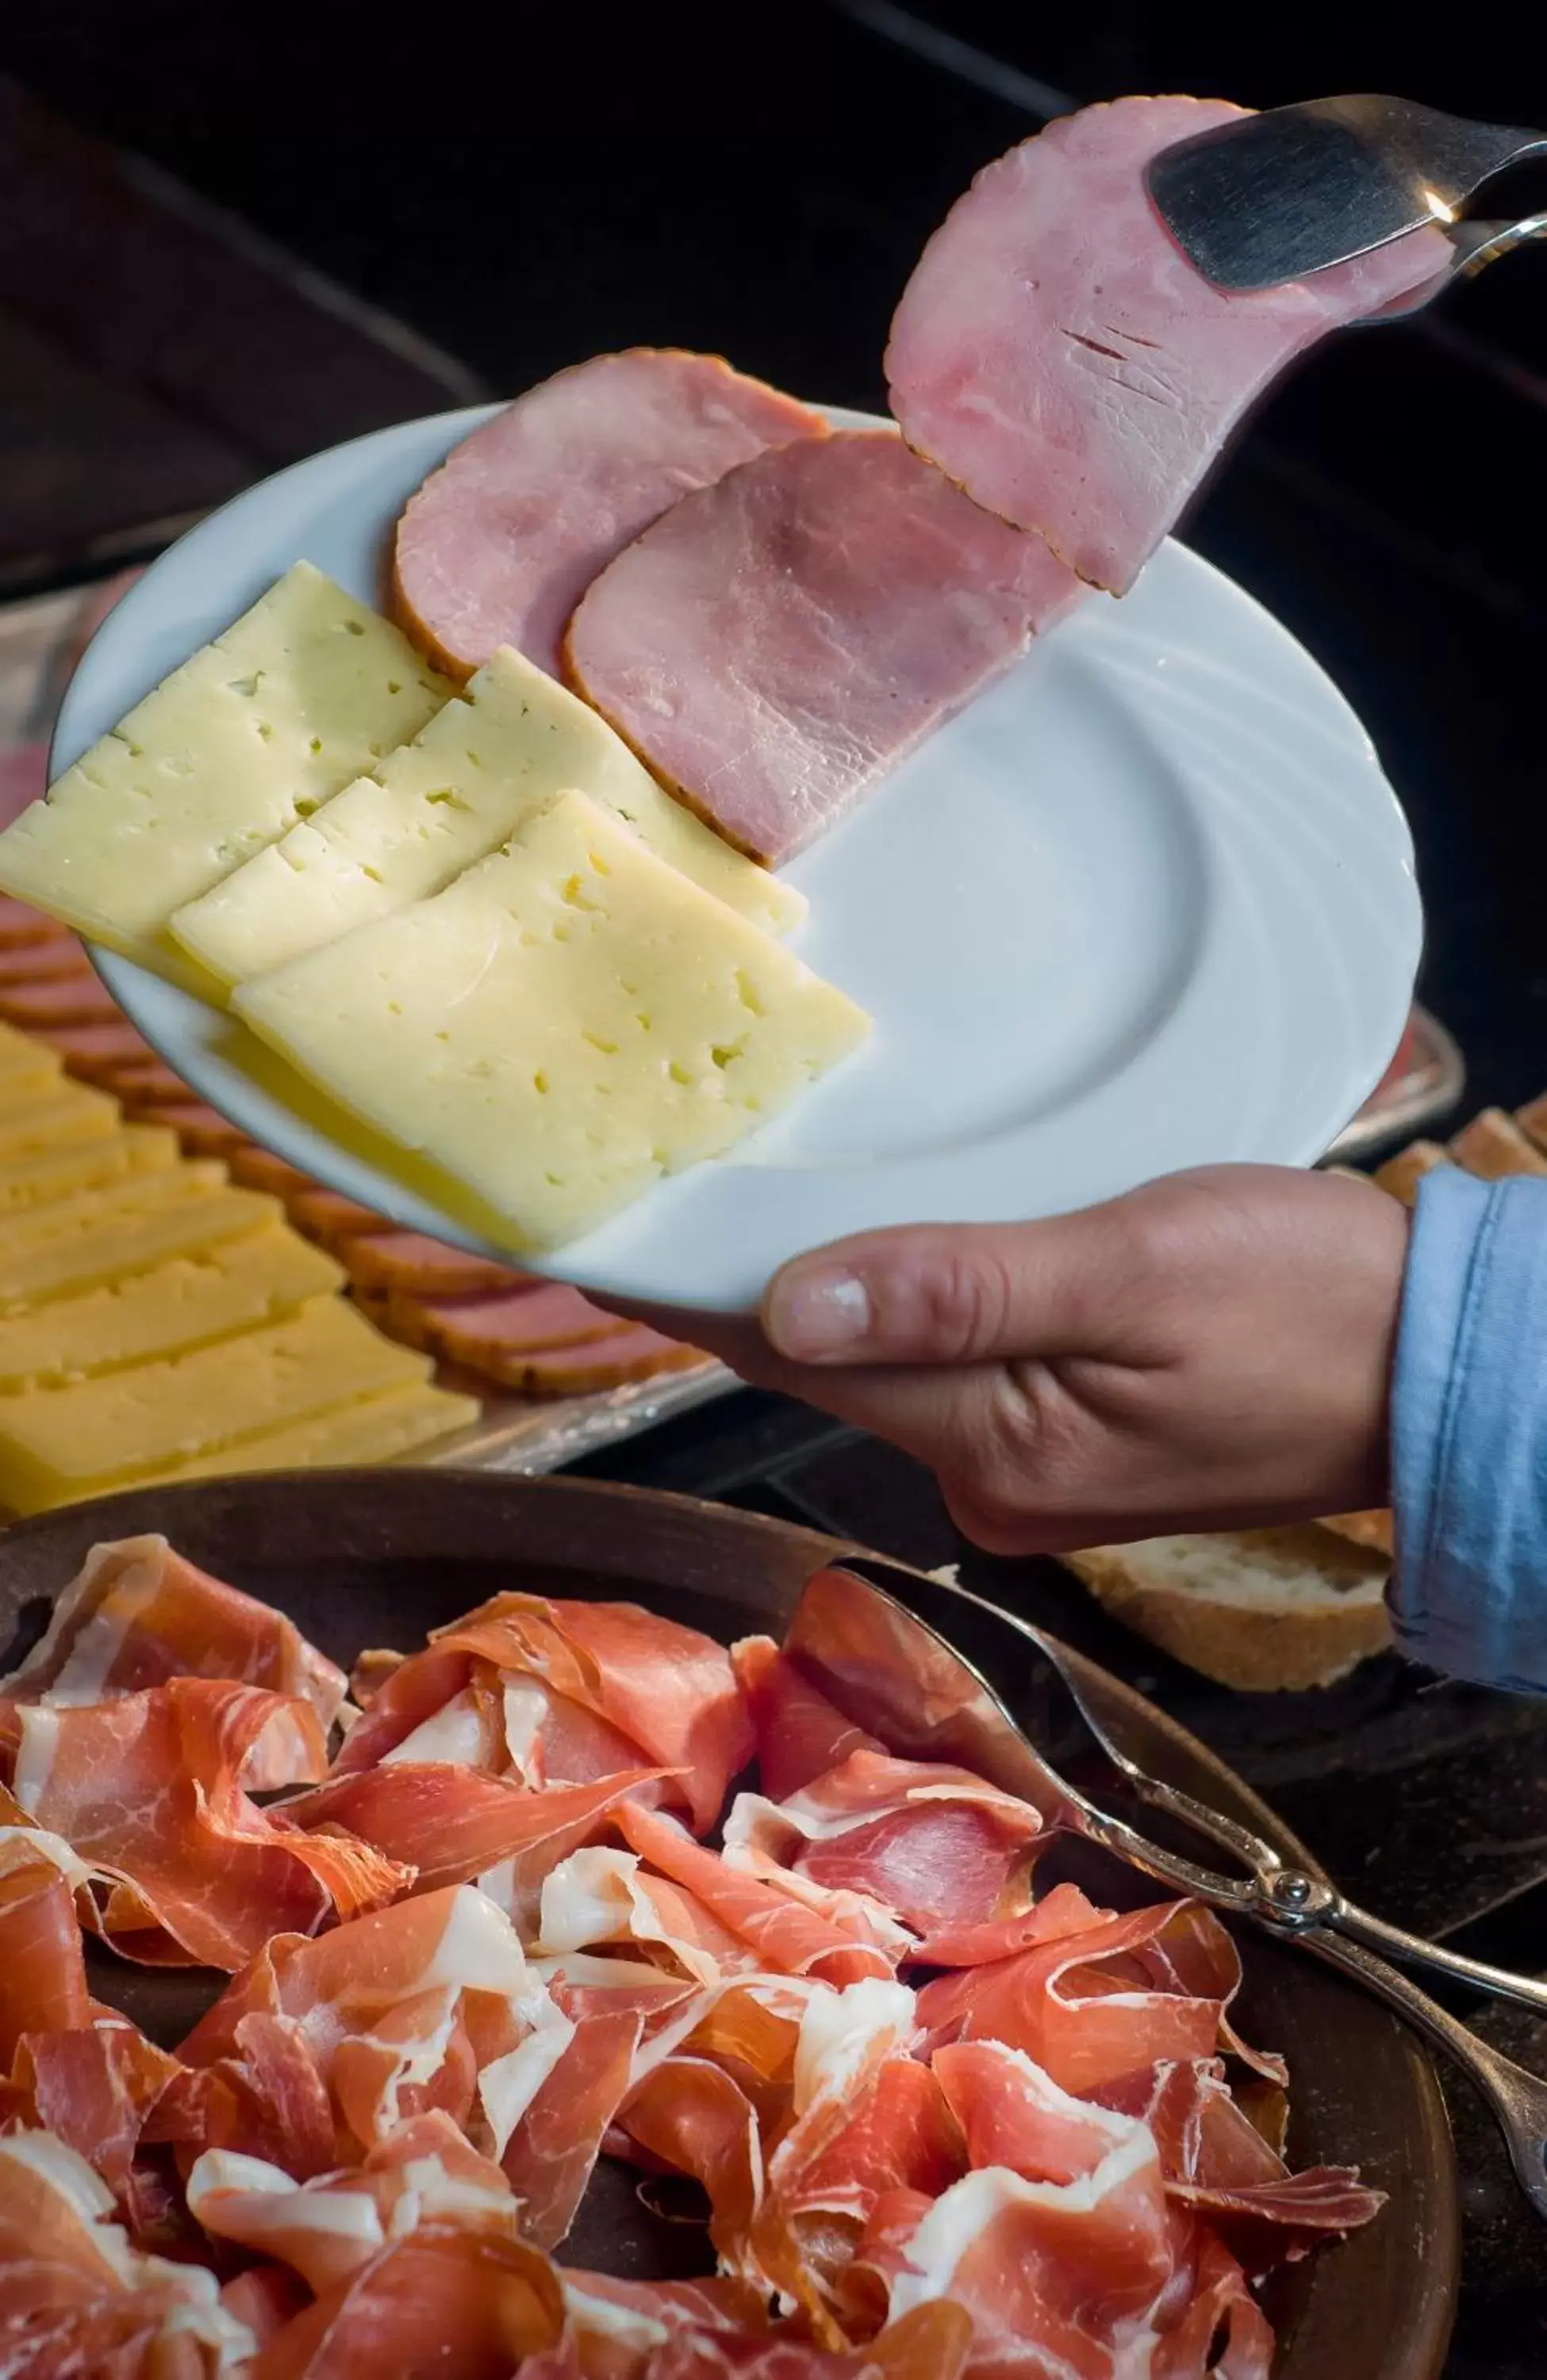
x=377, y=1557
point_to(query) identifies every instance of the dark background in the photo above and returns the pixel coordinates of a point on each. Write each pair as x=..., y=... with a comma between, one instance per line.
x=526, y=185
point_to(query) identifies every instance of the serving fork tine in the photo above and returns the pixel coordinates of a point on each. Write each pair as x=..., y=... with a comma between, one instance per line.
x=1269, y=198
x=895, y=1673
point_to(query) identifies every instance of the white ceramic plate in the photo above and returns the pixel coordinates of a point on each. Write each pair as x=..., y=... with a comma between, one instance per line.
x=1149, y=903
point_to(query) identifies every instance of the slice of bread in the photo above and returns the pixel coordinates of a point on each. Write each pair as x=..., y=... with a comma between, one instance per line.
x=1494, y=1146
x=1402, y=1173
x=1266, y=1610
x=1362, y=1529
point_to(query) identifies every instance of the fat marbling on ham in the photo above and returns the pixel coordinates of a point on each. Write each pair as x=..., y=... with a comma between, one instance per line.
x=774, y=643
x=1060, y=358
x=501, y=542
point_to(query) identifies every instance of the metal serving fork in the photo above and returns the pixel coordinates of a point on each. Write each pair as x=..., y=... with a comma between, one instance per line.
x=1272, y=196
x=893, y=1672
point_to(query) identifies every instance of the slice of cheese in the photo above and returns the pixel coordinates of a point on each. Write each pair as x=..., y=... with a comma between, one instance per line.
x=468, y=782
x=568, y=1022
x=59, y=1444
x=185, y=1303
x=62, y=1112
x=125, y=1244
x=46, y=1175
x=378, y=1429
x=138, y=1194
x=22, y=1060
x=297, y=698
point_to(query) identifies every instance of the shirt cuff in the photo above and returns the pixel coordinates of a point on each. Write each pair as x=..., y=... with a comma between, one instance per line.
x=1470, y=1433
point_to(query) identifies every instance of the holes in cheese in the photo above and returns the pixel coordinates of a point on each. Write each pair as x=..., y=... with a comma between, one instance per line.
x=119, y=1245
x=58, y=1444
x=467, y=783
x=283, y=708
x=558, y=1075
x=186, y=1302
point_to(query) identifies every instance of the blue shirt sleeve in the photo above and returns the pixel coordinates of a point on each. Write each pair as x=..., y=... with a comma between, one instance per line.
x=1470, y=1433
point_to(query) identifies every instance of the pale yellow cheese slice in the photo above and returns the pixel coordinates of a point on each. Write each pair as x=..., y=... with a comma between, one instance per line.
x=59, y=1444
x=184, y=1303
x=568, y=1022
x=83, y=1209
x=62, y=1112
x=378, y=1429
x=46, y=1175
x=22, y=1060
x=305, y=691
x=124, y=1244
x=466, y=784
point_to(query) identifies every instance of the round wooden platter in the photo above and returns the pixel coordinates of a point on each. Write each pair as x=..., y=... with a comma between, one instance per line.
x=377, y=1557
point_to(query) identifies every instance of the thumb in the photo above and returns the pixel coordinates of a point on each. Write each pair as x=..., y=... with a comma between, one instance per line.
x=951, y=1293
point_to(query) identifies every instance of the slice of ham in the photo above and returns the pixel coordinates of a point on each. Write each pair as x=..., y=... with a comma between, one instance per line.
x=1058, y=356
x=669, y=1692
x=933, y=1845
x=19, y=922
x=800, y=1734
x=145, y=1082
x=775, y=643
x=328, y=1215
x=630, y=1353
x=42, y=1966
x=553, y=2150
x=599, y=1896
x=260, y=1168
x=461, y=2303
x=79, y=999
x=501, y=542
x=1100, y=2003
x=785, y=1935
x=43, y=962
x=149, y=1791
x=387, y=1260
x=95, y=1051
x=136, y=1614
x=199, y=1127
x=452, y=1823
x=497, y=1331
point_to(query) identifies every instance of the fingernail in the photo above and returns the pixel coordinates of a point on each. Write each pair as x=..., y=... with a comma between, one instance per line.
x=818, y=1315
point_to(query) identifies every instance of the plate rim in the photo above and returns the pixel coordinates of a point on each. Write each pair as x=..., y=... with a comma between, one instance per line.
x=794, y=1550
x=250, y=1103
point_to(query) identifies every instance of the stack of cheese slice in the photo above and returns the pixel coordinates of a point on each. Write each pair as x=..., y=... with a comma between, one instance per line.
x=498, y=943
x=157, y=1322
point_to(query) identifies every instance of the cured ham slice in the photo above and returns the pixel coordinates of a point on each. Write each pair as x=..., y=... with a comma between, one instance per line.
x=42, y=1966
x=934, y=1845
x=775, y=643
x=403, y=2010
x=464, y=2304
x=600, y=1895
x=800, y=1734
x=452, y=1823
x=149, y=1791
x=670, y=1692
x=1095, y=2005
x=76, y=2298
x=553, y=2150
x=499, y=545
x=692, y=2117
x=784, y=1933
x=1059, y=1914
x=1059, y=358
x=138, y=1614
x=616, y=2327
x=327, y=2228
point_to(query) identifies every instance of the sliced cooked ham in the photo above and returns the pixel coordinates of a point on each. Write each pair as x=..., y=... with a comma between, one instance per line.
x=501, y=542
x=43, y=962
x=774, y=643
x=77, y=999
x=410, y=1261
x=1058, y=356
x=19, y=922
x=94, y=1053
x=489, y=1334
x=199, y=1127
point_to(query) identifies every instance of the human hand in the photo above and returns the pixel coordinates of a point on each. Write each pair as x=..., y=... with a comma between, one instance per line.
x=1212, y=1351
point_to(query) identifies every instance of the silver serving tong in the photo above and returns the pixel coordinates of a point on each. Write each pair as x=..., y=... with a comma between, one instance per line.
x=894, y=1671
x=1269, y=198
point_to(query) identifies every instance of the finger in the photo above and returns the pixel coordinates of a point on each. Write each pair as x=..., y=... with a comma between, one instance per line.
x=952, y=1293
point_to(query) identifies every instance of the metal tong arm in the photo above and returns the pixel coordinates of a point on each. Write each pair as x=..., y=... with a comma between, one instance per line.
x=1295, y=1902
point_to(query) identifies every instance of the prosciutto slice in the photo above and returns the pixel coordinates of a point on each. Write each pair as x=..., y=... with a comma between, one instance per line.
x=413, y=2007
x=1091, y=2006
x=668, y=1695
x=934, y=1845
x=136, y=1614
x=1059, y=358
x=150, y=1791
x=795, y=1939
x=800, y=1734
x=464, y=2303
x=501, y=542
x=775, y=643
